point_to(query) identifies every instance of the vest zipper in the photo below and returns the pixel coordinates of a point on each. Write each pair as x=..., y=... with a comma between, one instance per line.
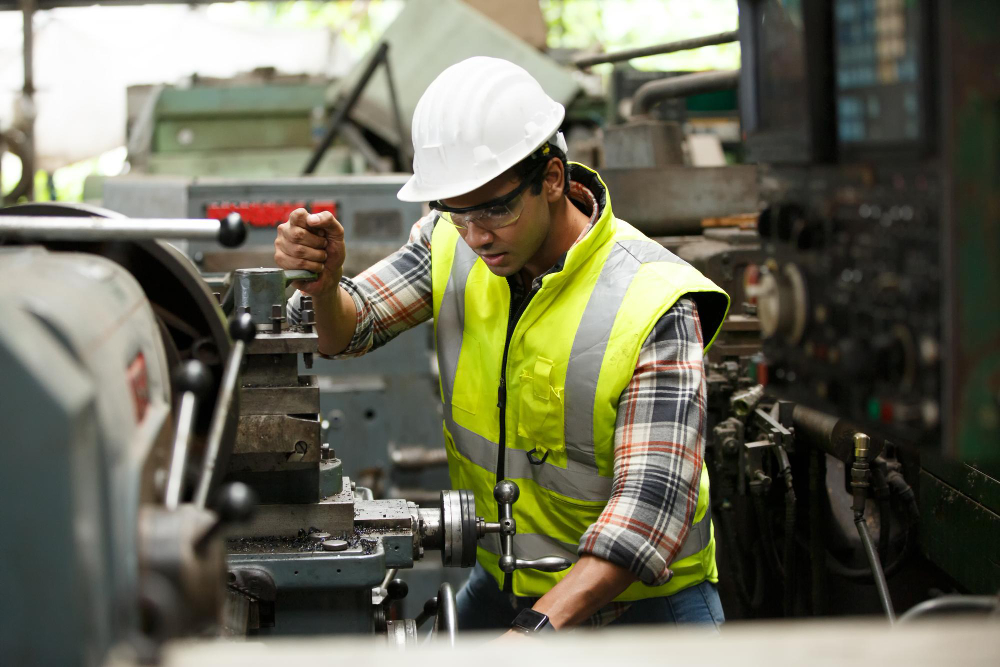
x=512, y=319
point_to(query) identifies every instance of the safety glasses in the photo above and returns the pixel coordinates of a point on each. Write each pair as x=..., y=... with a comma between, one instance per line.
x=492, y=215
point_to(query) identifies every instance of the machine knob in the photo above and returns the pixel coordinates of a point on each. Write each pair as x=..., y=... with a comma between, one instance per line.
x=232, y=231
x=397, y=589
x=242, y=328
x=235, y=503
x=192, y=376
x=506, y=492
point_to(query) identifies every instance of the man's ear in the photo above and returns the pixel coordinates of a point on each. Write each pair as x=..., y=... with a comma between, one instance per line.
x=554, y=185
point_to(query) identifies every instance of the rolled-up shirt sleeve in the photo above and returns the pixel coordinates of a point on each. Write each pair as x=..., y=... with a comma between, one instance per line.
x=659, y=447
x=391, y=296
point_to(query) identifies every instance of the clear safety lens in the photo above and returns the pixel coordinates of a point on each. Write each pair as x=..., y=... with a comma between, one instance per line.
x=490, y=218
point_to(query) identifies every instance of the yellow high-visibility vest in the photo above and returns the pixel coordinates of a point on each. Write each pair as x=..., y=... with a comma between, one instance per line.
x=547, y=388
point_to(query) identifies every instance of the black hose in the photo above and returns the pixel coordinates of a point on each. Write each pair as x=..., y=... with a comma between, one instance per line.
x=734, y=554
x=881, y=586
x=767, y=536
x=790, y=511
x=879, y=472
x=897, y=484
x=817, y=547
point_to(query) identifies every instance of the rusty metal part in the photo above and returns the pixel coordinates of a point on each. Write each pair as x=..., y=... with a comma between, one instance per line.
x=279, y=434
x=303, y=399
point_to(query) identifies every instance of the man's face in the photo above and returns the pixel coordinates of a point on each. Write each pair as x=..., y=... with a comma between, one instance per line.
x=505, y=251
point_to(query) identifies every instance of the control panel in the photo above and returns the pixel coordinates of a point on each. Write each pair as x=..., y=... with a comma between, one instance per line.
x=849, y=298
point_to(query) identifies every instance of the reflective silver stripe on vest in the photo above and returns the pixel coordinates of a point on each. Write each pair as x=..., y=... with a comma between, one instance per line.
x=573, y=481
x=698, y=537
x=451, y=317
x=533, y=545
x=587, y=353
x=471, y=445
x=647, y=251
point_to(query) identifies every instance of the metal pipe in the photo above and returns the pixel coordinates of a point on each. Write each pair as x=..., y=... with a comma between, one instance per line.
x=657, y=49
x=243, y=331
x=682, y=86
x=404, y=143
x=333, y=127
x=447, y=613
x=953, y=603
x=182, y=437
x=860, y=483
x=831, y=434
x=43, y=228
x=880, y=584
x=28, y=8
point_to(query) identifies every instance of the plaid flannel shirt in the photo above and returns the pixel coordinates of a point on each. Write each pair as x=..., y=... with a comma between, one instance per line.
x=661, y=415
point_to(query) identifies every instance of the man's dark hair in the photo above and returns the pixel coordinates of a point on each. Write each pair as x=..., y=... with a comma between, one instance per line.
x=531, y=167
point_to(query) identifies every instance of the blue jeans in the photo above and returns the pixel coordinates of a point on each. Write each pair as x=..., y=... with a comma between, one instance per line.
x=482, y=606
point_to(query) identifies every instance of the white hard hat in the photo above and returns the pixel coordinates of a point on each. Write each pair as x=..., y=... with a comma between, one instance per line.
x=476, y=120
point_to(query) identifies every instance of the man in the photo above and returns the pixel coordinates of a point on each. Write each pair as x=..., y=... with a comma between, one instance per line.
x=570, y=350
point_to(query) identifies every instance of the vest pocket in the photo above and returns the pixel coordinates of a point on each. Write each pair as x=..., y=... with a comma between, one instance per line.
x=540, y=418
x=468, y=383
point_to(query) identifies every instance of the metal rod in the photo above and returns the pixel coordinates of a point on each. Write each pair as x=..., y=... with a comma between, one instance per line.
x=877, y=572
x=952, y=603
x=657, y=49
x=28, y=8
x=404, y=151
x=682, y=86
x=447, y=613
x=104, y=229
x=344, y=109
x=389, y=576
x=182, y=437
x=227, y=390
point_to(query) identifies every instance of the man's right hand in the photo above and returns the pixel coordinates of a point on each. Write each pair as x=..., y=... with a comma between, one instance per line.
x=314, y=242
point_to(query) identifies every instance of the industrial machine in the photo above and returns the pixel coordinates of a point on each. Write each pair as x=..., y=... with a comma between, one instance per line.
x=878, y=294
x=398, y=450
x=852, y=396
x=181, y=463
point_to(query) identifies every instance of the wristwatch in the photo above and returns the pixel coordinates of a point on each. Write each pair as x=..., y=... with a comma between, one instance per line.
x=531, y=622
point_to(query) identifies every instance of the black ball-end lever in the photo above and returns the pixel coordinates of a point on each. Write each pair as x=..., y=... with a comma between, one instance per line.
x=234, y=503
x=232, y=230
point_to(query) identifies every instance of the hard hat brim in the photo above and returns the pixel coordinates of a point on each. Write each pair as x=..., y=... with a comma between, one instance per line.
x=413, y=191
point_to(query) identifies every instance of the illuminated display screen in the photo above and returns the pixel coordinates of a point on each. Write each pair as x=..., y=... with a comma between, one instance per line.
x=878, y=71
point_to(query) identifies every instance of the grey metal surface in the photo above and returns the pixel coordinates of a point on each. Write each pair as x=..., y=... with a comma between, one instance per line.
x=354, y=393
x=76, y=458
x=257, y=290
x=966, y=641
x=674, y=200
x=644, y=144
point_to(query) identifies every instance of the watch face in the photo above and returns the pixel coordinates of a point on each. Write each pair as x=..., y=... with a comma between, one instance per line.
x=530, y=620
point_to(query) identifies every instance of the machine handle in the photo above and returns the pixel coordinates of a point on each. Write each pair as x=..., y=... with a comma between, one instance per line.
x=545, y=564
x=446, y=618
x=506, y=494
x=242, y=330
x=300, y=274
x=235, y=503
x=230, y=231
x=193, y=381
